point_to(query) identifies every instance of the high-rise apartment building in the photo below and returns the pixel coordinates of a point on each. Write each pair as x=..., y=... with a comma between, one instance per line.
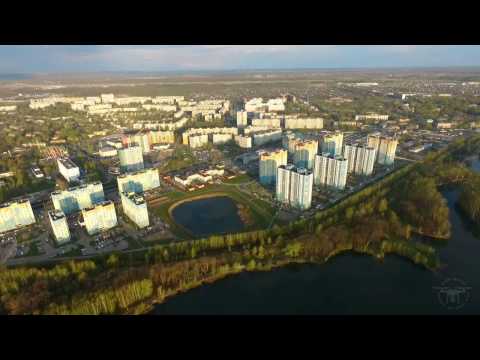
x=268, y=164
x=242, y=119
x=286, y=138
x=15, y=214
x=283, y=183
x=365, y=160
x=386, y=150
x=332, y=143
x=78, y=197
x=350, y=153
x=331, y=171
x=59, y=224
x=139, y=181
x=294, y=186
x=135, y=207
x=373, y=141
x=131, y=158
x=304, y=154
x=100, y=217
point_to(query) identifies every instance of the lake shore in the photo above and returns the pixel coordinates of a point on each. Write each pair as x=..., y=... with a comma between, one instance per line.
x=149, y=306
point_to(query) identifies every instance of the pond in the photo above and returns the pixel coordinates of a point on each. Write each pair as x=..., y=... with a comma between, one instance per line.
x=214, y=215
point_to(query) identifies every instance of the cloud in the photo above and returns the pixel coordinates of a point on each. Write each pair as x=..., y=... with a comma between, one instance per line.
x=54, y=58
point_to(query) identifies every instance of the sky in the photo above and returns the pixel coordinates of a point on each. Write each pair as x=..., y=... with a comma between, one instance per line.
x=150, y=58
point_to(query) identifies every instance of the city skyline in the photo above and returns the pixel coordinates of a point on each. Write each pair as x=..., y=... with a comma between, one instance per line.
x=28, y=59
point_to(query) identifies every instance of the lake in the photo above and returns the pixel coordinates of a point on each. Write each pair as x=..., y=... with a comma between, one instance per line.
x=203, y=217
x=352, y=283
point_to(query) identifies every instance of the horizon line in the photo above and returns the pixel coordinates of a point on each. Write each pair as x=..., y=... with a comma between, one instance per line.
x=293, y=69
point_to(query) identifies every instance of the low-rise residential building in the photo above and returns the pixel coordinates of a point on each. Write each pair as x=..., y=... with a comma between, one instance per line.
x=162, y=137
x=163, y=107
x=303, y=123
x=221, y=138
x=269, y=123
x=107, y=98
x=274, y=105
x=377, y=117
x=201, y=176
x=196, y=141
x=267, y=136
x=107, y=151
x=243, y=141
x=68, y=169
x=8, y=108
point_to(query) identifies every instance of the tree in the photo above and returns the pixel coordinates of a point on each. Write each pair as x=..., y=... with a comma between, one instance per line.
x=251, y=265
x=113, y=261
x=383, y=206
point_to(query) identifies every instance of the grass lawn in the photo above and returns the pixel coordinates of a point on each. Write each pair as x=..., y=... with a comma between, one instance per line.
x=262, y=211
x=240, y=179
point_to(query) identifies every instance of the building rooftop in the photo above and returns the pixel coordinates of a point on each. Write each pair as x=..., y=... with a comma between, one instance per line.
x=56, y=215
x=136, y=198
x=101, y=204
x=66, y=162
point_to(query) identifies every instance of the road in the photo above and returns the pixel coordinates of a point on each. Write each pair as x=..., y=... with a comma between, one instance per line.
x=406, y=159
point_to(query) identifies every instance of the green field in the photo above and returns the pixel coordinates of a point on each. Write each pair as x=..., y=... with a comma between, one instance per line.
x=262, y=212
